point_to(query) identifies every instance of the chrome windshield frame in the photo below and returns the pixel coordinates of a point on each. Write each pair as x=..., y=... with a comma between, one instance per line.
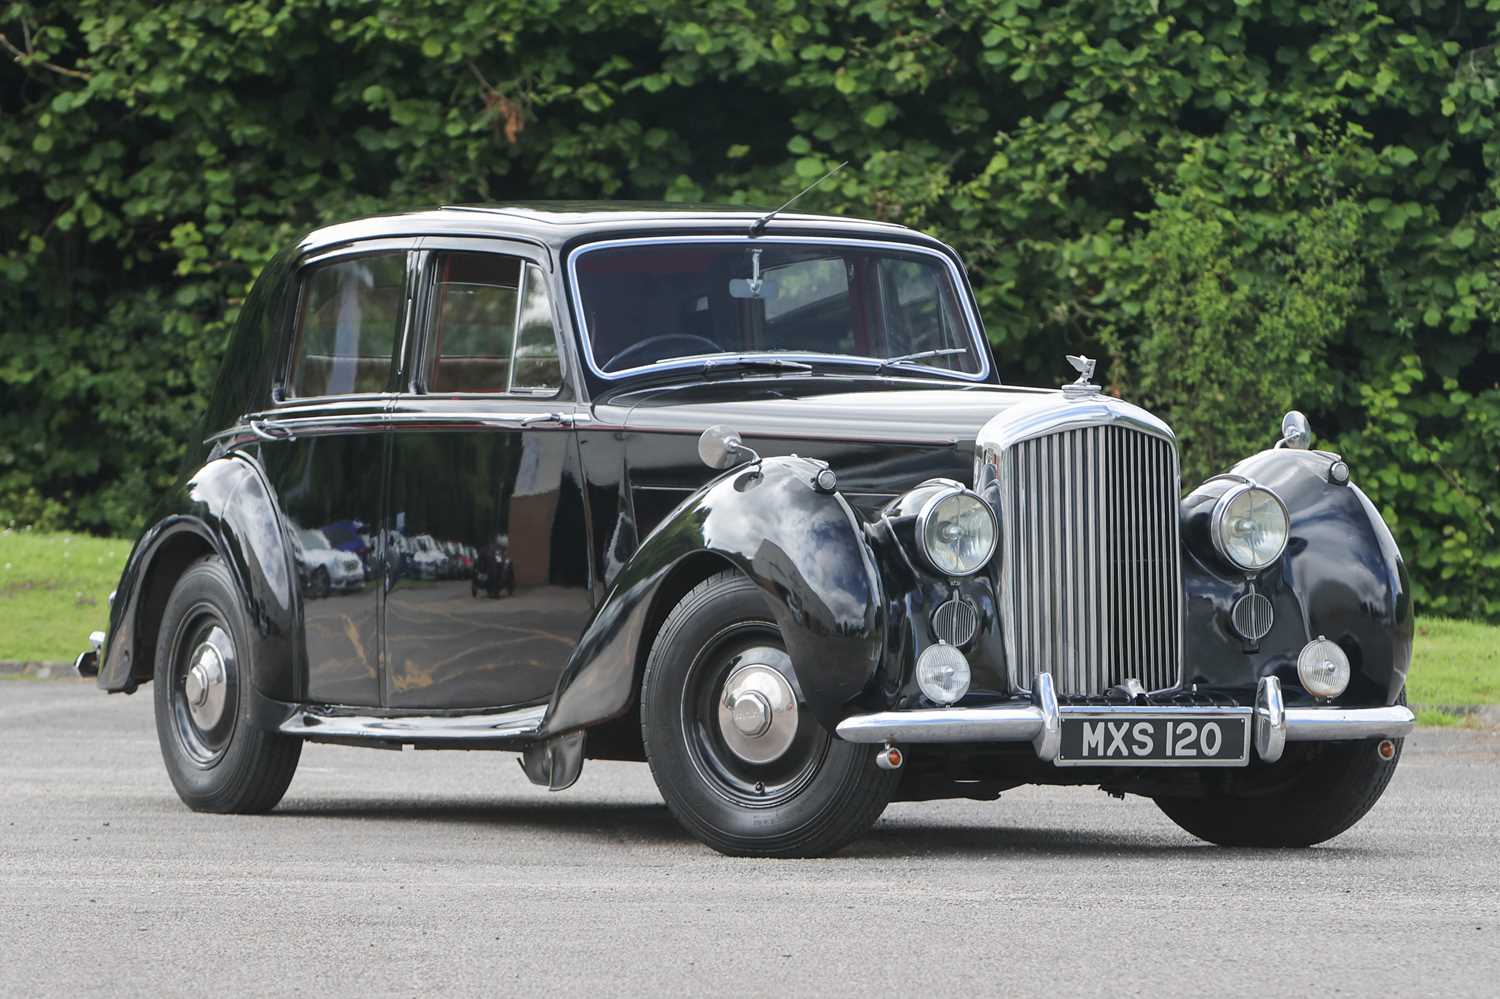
x=960, y=289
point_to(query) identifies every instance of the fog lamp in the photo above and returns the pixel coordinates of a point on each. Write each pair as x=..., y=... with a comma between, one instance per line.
x=1323, y=668
x=943, y=674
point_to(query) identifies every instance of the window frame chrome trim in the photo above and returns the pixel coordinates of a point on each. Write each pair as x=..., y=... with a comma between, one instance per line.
x=424, y=359
x=297, y=279
x=960, y=287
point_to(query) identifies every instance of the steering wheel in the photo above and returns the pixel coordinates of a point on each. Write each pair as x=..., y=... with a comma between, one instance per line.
x=692, y=338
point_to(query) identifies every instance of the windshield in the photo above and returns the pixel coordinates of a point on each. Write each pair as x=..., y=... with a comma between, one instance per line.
x=654, y=303
x=314, y=539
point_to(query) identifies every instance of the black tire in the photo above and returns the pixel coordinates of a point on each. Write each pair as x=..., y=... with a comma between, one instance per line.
x=818, y=796
x=1313, y=794
x=227, y=765
x=321, y=587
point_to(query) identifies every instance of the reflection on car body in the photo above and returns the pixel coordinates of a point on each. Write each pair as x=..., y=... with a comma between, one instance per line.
x=324, y=569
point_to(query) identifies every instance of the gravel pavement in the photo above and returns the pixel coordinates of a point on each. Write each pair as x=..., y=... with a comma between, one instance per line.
x=388, y=873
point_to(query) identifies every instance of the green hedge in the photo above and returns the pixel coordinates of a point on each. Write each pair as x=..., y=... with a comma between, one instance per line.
x=1242, y=205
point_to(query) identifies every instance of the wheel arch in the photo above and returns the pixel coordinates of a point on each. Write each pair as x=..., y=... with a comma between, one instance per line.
x=225, y=510
x=803, y=548
x=620, y=737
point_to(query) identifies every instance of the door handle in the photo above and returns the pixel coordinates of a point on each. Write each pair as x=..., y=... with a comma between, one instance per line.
x=267, y=431
x=561, y=419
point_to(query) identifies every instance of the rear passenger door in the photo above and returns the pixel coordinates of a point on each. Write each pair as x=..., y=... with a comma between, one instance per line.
x=323, y=450
x=484, y=479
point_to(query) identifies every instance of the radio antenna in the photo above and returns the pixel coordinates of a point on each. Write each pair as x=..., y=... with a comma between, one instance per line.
x=759, y=225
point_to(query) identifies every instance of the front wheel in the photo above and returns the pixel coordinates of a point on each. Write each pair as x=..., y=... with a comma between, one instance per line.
x=736, y=753
x=218, y=760
x=1305, y=799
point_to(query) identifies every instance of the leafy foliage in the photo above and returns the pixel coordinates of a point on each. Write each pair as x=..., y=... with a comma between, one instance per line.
x=1244, y=204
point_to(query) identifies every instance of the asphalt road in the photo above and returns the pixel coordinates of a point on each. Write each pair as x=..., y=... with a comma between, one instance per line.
x=416, y=873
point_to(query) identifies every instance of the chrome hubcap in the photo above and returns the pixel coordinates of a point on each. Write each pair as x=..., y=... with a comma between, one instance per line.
x=205, y=686
x=757, y=713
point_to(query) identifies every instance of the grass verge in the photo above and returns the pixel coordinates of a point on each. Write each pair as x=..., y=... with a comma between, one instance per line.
x=54, y=590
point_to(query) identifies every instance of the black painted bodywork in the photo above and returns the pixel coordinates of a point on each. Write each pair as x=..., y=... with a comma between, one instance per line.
x=618, y=518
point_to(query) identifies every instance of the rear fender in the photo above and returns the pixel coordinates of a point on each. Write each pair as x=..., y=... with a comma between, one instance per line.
x=805, y=549
x=224, y=509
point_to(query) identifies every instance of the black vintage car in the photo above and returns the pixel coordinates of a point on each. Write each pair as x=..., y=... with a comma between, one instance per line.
x=773, y=524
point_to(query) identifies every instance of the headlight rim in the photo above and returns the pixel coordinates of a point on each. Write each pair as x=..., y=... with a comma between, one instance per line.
x=924, y=519
x=1221, y=510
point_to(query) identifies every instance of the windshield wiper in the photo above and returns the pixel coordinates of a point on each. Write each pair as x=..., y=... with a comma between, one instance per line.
x=752, y=363
x=891, y=362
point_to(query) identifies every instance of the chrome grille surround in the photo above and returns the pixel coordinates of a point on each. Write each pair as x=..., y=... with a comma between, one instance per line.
x=1089, y=574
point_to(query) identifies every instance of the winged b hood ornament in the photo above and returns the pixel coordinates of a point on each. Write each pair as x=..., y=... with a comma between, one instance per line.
x=1083, y=387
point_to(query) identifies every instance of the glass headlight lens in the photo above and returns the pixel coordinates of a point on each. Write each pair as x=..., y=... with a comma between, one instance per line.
x=1251, y=527
x=957, y=532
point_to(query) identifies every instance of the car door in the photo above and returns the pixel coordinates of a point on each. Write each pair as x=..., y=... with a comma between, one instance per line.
x=484, y=461
x=323, y=449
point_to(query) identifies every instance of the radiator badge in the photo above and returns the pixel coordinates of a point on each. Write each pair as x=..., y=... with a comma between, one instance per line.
x=1082, y=388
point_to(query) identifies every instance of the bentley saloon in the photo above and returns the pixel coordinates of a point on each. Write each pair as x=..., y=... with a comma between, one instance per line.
x=744, y=497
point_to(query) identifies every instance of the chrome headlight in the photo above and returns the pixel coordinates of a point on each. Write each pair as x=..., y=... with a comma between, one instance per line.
x=1250, y=526
x=956, y=531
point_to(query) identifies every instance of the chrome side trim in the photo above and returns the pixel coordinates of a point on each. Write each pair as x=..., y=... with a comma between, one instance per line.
x=503, y=726
x=266, y=428
x=961, y=291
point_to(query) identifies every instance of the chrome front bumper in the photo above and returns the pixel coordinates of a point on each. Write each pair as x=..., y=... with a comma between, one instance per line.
x=1040, y=723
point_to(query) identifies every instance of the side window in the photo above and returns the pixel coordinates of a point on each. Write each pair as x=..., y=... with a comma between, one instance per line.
x=491, y=327
x=348, y=323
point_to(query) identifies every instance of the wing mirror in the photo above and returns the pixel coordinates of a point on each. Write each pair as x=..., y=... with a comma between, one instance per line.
x=720, y=447
x=1295, y=432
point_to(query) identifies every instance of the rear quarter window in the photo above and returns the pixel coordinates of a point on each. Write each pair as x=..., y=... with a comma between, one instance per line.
x=349, y=317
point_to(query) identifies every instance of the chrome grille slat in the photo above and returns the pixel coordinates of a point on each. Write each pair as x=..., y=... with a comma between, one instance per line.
x=1090, y=562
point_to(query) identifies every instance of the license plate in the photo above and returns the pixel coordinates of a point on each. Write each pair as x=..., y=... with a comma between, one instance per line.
x=1118, y=739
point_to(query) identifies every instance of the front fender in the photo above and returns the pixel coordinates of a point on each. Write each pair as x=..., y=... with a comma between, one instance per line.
x=1342, y=577
x=223, y=508
x=804, y=548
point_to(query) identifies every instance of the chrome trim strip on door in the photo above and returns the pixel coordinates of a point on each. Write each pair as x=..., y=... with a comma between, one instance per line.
x=266, y=428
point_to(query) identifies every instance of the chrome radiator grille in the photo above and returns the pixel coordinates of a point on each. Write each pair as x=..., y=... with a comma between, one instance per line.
x=1090, y=573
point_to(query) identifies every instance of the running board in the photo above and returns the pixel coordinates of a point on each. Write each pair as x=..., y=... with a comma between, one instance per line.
x=498, y=730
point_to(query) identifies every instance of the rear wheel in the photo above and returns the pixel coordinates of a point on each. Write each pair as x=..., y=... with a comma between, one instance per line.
x=217, y=759
x=1305, y=799
x=739, y=758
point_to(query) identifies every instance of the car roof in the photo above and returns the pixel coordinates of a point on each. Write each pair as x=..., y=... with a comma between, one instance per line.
x=560, y=224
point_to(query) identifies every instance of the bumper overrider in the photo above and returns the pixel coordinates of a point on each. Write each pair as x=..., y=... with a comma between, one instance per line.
x=1272, y=724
